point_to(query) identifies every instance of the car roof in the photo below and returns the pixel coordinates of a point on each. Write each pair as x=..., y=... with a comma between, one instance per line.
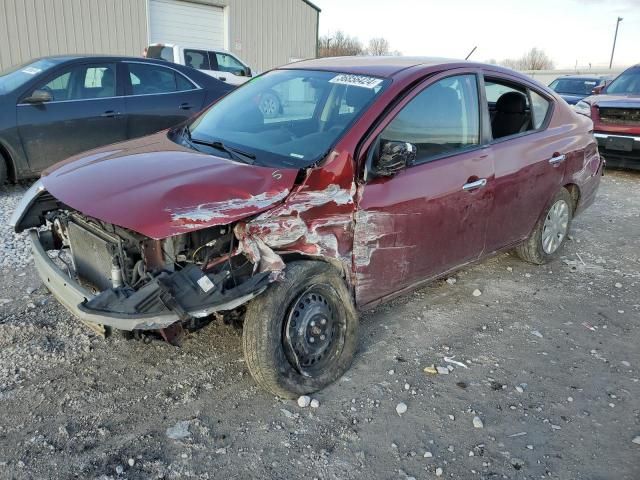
x=382, y=66
x=389, y=66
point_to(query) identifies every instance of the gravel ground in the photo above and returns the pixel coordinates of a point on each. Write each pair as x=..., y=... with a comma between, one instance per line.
x=14, y=252
x=551, y=389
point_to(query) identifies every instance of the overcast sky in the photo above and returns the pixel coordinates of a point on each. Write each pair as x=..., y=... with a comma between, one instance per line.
x=568, y=30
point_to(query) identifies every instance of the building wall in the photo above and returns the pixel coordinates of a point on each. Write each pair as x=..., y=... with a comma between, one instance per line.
x=265, y=33
x=37, y=28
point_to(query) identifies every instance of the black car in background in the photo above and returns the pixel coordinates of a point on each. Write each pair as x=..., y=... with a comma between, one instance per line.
x=573, y=88
x=55, y=107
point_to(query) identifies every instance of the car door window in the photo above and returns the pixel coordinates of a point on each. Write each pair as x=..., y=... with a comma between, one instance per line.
x=226, y=63
x=155, y=79
x=540, y=107
x=83, y=82
x=509, y=108
x=198, y=59
x=442, y=119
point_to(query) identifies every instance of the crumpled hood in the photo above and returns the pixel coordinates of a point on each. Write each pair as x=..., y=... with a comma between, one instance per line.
x=158, y=188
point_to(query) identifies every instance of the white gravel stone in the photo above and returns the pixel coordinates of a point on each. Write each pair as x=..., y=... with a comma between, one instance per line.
x=636, y=440
x=131, y=462
x=439, y=472
x=401, y=408
x=428, y=455
x=315, y=403
x=304, y=401
x=477, y=293
x=119, y=469
x=519, y=389
x=451, y=281
x=618, y=285
x=477, y=422
x=625, y=363
x=442, y=370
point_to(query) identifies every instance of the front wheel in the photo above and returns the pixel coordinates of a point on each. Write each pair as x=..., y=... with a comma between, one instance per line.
x=551, y=231
x=301, y=334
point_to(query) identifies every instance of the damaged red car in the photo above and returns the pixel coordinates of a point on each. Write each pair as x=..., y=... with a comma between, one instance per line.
x=377, y=175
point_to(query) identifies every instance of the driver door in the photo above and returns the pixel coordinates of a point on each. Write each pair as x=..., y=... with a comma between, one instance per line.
x=431, y=216
x=85, y=112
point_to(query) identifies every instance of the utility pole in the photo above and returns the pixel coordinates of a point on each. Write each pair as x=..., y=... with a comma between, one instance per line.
x=615, y=37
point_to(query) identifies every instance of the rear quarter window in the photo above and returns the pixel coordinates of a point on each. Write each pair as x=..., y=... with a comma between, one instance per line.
x=540, y=107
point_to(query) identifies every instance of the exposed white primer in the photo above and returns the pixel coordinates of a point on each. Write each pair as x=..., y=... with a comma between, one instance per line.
x=206, y=212
x=303, y=201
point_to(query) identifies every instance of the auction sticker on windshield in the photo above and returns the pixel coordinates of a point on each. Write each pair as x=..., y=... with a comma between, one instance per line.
x=31, y=70
x=356, y=80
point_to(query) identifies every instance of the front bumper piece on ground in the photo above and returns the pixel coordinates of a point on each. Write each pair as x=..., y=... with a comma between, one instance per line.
x=169, y=299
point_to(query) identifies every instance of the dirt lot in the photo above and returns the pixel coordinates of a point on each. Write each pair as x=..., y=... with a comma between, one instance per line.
x=553, y=373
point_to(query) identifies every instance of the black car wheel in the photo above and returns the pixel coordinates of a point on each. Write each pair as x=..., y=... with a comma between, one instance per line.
x=301, y=334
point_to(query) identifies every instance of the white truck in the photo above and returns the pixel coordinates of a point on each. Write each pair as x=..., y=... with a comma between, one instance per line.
x=219, y=64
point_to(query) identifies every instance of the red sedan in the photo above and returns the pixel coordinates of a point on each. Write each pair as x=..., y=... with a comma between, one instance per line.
x=377, y=175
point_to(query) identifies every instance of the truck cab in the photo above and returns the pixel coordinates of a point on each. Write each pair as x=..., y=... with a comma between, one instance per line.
x=220, y=64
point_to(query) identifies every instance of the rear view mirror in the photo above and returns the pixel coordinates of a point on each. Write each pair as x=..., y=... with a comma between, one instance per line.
x=393, y=157
x=39, y=96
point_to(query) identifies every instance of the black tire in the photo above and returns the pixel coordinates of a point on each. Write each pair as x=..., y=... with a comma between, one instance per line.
x=270, y=352
x=532, y=249
x=3, y=171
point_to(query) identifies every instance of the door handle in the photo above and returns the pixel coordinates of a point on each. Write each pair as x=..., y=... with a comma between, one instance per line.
x=224, y=79
x=471, y=186
x=557, y=159
x=185, y=106
x=110, y=114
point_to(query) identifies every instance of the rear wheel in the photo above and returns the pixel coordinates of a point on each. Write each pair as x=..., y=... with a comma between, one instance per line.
x=301, y=334
x=550, y=233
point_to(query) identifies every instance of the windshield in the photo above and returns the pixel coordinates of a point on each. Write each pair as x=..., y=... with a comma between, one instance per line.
x=18, y=76
x=628, y=82
x=288, y=117
x=575, y=86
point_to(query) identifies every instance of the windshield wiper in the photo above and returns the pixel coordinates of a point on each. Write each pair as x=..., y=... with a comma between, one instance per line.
x=238, y=154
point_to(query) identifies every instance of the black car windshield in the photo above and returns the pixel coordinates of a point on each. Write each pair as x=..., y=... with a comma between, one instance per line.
x=627, y=83
x=288, y=118
x=575, y=86
x=18, y=76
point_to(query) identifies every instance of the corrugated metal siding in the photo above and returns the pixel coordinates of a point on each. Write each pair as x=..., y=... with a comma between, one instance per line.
x=269, y=33
x=265, y=33
x=38, y=28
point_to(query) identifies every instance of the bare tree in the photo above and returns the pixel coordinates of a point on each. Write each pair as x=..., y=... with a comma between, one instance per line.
x=379, y=46
x=534, y=59
x=339, y=44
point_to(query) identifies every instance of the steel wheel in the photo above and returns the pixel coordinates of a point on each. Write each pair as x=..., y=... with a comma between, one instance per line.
x=555, y=227
x=314, y=332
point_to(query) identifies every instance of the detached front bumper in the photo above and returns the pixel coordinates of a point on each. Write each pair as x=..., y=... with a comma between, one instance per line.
x=174, y=296
x=619, y=150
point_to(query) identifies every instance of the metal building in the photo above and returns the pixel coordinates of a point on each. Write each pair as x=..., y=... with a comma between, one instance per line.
x=264, y=33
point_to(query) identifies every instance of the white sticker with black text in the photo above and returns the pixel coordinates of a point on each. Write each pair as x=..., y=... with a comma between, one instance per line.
x=356, y=80
x=31, y=70
x=205, y=284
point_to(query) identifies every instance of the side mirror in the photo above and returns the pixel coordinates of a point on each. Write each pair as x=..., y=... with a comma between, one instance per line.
x=393, y=157
x=39, y=96
x=246, y=72
x=597, y=90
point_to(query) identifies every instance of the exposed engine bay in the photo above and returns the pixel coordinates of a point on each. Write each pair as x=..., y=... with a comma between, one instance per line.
x=192, y=275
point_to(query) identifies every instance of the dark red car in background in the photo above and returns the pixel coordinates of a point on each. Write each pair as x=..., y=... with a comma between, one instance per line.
x=378, y=175
x=615, y=111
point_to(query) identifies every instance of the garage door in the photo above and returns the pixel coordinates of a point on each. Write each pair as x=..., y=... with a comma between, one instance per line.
x=187, y=24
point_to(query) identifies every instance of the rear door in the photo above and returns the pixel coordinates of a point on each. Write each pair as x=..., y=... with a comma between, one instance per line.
x=158, y=97
x=431, y=216
x=85, y=113
x=529, y=163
